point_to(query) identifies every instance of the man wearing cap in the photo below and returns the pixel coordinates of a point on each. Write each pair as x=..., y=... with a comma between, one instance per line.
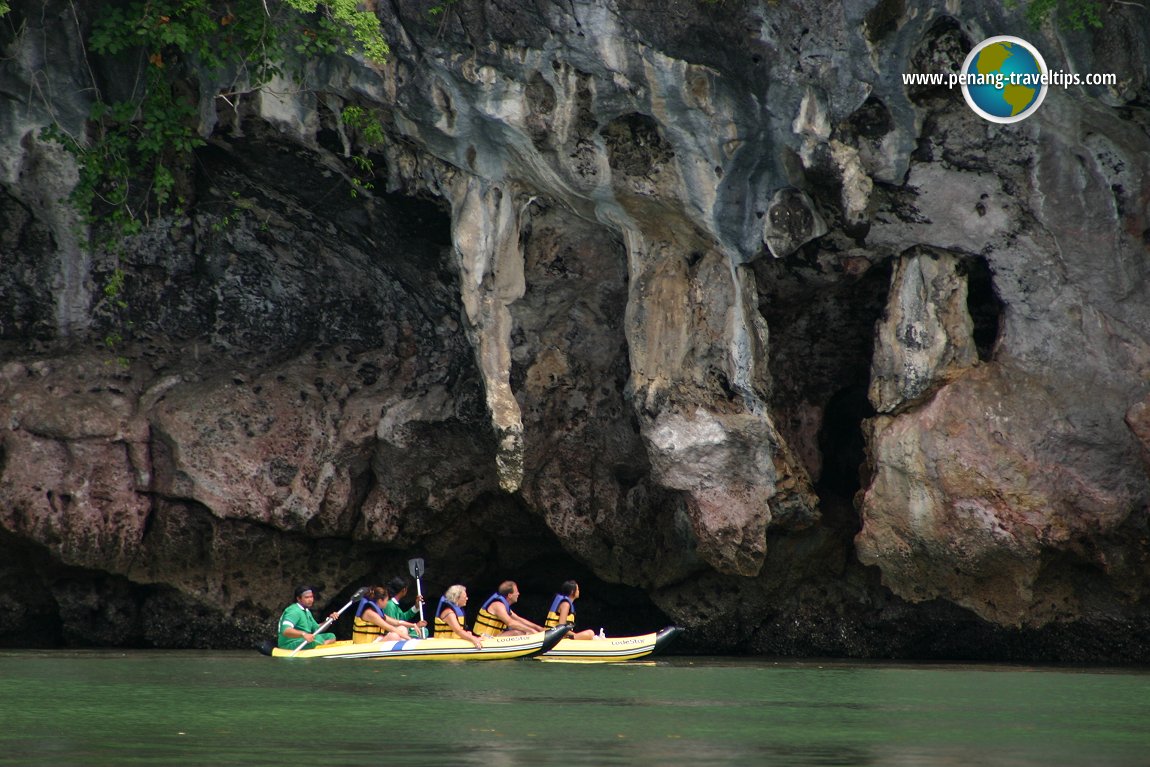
x=298, y=625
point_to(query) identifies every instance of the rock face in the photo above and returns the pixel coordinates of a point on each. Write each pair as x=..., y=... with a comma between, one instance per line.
x=696, y=302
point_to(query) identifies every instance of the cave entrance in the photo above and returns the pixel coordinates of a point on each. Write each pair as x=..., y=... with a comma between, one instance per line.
x=984, y=305
x=499, y=539
x=33, y=619
x=821, y=308
x=843, y=449
x=619, y=609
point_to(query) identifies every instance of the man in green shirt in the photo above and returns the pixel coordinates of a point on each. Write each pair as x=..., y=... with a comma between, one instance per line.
x=298, y=625
x=397, y=587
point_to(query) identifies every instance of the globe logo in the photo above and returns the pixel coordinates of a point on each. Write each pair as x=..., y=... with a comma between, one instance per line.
x=1004, y=79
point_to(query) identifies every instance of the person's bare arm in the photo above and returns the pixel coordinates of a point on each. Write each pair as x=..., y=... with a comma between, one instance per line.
x=390, y=632
x=519, y=622
x=452, y=621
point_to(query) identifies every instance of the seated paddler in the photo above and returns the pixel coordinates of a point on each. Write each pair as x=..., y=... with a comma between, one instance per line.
x=372, y=624
x=297, y=625
x=496, y=618
x=450, y=621
x=397, y=587
x=563, y=611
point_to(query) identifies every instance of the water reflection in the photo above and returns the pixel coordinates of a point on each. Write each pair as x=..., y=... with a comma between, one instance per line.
x=671, y=752
x=244, y=710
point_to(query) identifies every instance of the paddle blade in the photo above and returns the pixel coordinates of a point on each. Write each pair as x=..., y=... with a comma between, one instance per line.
x=415, y=566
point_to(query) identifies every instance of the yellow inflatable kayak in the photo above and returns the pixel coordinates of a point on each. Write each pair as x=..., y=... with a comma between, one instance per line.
x=494, y=648
x=610, y=649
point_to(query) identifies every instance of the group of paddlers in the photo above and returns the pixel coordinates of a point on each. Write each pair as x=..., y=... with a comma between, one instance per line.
x=379, y=617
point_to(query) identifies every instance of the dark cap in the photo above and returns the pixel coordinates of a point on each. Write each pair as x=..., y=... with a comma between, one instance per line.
x=301, y=590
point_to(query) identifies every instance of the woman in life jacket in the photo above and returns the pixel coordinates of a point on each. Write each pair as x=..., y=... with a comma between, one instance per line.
x=371, y=624
x=563, y=611
x=449, y=618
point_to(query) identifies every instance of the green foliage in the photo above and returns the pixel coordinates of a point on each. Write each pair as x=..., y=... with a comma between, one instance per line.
x=114, y=289
x=136, y=149
x=229, y=218
x=1071, y=14
x=368, y=126
x=361, y=25
x=126, y=163
x=115, y=303
x=440, y=8
x=129, y=162
x=4, y=7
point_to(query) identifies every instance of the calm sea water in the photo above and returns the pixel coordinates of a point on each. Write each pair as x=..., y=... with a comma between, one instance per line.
x=191, y=708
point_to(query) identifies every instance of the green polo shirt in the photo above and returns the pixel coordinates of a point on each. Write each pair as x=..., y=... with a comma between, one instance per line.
x=296, y=617
x=393, y=610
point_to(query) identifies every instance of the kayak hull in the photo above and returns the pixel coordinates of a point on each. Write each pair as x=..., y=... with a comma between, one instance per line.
x=610, y=650
x=494, y=648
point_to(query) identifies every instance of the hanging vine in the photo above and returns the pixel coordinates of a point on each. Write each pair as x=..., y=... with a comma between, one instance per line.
x=134, y=149
x=129, y=157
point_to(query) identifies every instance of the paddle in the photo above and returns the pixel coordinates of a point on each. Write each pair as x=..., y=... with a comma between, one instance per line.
x=415, y=567
x=354, y=598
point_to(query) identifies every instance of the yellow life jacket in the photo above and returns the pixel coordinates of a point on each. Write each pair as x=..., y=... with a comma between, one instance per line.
x=363, y=631
x=486, y=624
x=442, y=627
x=553, y=614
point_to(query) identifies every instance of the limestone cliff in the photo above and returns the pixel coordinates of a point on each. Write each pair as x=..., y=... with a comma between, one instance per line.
x=694, y=301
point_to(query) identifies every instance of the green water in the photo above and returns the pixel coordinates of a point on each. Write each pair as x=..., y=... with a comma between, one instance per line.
x=187, y=708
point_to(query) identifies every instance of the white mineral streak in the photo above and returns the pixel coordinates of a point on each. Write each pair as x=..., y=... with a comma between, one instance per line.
x=694, y=436
x=501, y=129
x=812, y=121
x=485, y=230
x=283, y=104
x=42, y=175
x=926, y=336
x=857, y=185
x=73, y=283
x=435, y=405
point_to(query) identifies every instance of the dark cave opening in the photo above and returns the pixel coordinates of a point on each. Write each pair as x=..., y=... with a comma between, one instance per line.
x=821, y=311
x=33, y=619
x=842, y=443
x=501, y=538
x=984, y=306
x=619, y=609
x=419, y=219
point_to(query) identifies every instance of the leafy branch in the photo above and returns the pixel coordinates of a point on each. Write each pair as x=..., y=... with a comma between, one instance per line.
x=134, y=151
x=440, y=8
x=362, y=25
x=130, y=158
x=1071, y=14
x=367, y=125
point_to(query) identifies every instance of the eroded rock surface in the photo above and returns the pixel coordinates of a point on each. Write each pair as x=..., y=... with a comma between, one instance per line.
x=695, y=302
